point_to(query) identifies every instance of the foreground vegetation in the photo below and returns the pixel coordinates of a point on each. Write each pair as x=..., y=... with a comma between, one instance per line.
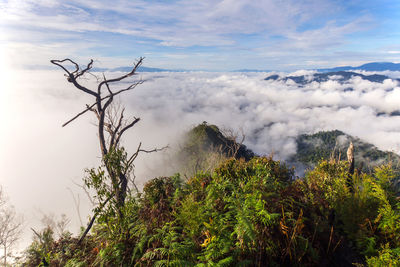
x=250, y=213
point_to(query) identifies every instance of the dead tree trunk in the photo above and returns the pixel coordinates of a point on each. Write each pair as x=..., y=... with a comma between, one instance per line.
x=110, y=127
x=350, y=159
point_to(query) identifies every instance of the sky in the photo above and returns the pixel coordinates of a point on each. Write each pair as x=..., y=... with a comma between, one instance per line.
x=202, y=35
x=41, y=162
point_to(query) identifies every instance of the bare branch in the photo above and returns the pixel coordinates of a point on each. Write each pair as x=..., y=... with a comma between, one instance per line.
x=72, y=76
x=58, y=63
x=111, y=98
x=37, y=234
x=79, y=114
x=132, y=86
x=90, y=108
x=102, y=112
x=93, y=219
x=130, y=125
x=112, y=139
x=133, y=71
x=88, y=67
x=132, y=180
x=138, y=150
x=80, y=87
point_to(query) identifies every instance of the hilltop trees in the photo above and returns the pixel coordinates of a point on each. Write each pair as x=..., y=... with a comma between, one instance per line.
x=206, y=146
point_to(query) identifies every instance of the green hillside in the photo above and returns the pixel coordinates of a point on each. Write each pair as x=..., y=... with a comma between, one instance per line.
x=207, y=137
x=205, y=146
x=245, y=211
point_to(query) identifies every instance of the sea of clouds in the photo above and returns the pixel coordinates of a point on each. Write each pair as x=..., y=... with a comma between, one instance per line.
x=269, y=113
x=40, y=159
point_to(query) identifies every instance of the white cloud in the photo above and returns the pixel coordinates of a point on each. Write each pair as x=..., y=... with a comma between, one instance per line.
x=250, y=102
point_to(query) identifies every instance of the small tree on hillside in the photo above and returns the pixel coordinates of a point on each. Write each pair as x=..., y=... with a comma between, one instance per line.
x=112, y=185
x=10, y=227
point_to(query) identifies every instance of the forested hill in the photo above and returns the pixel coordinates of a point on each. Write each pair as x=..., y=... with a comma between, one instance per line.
x=312, y=148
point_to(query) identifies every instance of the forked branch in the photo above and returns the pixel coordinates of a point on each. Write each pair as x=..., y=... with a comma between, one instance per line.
x=89, y=107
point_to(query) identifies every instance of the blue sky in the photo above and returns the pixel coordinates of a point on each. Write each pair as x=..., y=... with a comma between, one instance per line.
x=202, y=35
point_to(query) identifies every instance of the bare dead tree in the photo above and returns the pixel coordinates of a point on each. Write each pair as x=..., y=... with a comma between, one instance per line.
x=112, y=125
x=234, y=141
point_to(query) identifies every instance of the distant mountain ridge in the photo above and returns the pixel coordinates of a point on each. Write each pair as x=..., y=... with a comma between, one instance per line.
x=340, y=76
x=250, y=70
x=140, y=69
x=373, y=66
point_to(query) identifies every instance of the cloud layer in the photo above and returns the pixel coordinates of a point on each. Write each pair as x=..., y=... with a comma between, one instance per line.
x=272, y=113
x=39, y=159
